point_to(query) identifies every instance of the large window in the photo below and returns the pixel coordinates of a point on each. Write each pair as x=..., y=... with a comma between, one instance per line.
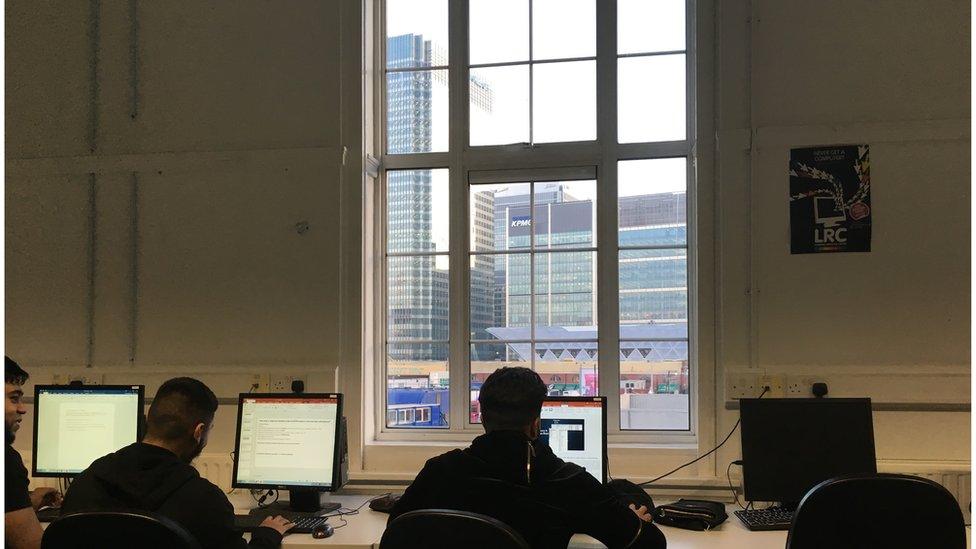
x=534, y=182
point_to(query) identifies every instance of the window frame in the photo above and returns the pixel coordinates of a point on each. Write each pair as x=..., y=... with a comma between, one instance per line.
x=603, y=154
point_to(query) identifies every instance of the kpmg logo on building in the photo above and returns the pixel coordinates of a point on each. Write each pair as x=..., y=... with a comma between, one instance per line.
x=521, y=221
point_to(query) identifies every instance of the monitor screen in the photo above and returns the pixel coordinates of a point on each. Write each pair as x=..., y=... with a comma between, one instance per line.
x=287, y=440
x=75, y=425
x=790, y=445
x=576, y=430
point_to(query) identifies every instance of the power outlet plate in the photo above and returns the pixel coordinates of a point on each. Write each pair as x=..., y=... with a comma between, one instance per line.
x=776, y=384
x=260, y=383
x=740, y=385
x=282, y=383
x=800, y=386
x=85, y=379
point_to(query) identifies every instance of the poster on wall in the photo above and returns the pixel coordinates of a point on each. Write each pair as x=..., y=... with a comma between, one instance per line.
x=830, y=199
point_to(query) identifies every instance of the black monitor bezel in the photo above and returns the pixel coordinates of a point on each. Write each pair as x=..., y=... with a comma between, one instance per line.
x=748, y=473
x=297, y=396
x=603, y=405
x=140, y=390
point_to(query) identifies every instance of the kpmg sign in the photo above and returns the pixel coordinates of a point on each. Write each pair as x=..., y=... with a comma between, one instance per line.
x=521, y=221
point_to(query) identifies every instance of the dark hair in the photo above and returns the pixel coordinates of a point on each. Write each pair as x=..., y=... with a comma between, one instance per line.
x=13, y=373
x=511, y=398
x=180, y=404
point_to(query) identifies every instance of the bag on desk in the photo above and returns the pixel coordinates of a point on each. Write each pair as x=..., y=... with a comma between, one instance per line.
x=691, y=514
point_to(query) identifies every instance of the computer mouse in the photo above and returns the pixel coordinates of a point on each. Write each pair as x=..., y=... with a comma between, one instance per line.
x=323, y=531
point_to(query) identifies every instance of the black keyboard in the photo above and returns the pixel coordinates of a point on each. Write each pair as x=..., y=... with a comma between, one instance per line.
x=775, y=518
x=304, y=524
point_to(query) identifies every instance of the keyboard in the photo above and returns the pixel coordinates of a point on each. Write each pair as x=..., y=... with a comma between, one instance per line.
x=304, y=524
x=775, y=518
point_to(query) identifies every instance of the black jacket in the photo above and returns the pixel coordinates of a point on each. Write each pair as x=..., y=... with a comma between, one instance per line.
x=546, y=504
x=144, y=477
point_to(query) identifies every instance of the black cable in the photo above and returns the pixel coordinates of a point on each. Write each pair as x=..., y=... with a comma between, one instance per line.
x=728, y=475
x=706, y=454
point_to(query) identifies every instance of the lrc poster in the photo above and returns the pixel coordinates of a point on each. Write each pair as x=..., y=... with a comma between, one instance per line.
x=830, y=199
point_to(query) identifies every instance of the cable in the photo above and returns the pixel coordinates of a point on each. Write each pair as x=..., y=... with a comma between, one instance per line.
x=728, y=475
x=706, y=454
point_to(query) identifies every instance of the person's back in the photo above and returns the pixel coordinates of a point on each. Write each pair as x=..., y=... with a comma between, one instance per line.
x=511, y=476
x=155, y=474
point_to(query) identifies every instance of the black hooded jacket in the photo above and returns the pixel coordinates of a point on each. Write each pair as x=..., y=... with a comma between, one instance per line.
x=144, y=477
x=546, y=503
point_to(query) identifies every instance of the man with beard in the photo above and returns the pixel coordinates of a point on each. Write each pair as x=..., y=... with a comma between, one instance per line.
x=155, y=475
x=22, y=530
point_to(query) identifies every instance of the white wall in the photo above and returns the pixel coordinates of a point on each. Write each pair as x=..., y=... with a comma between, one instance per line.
x=242, y=110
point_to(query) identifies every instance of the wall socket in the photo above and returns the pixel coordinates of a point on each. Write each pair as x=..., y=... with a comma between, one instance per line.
x=799, y=386
x=85, y=379
x=260, y=383
x=281, y=383
x=740, y=385
x=776, y=384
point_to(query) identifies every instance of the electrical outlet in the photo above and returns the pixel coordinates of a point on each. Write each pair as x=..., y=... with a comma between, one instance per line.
x=740, y=385
x=260, y=383
x=799, y=386
x=282, y=383
x=85, y=379
x=776, y=384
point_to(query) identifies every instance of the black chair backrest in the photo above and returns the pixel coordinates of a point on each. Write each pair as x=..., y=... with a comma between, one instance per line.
x=447, y=529
x=881, y=510
x=111, y=529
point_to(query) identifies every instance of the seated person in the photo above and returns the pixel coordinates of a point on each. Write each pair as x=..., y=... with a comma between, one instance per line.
x=510, y=475
x=21, y=528
x=155, y=475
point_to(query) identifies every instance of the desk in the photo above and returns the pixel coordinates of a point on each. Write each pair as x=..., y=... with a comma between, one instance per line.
x=365, y=530
x=361, y=532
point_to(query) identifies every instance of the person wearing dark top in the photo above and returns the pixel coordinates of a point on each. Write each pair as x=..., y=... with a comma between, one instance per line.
x=510, y=475
x=21, y=528
x=155, y=475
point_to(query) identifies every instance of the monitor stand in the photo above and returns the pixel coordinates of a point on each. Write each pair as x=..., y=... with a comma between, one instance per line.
x=300, y=500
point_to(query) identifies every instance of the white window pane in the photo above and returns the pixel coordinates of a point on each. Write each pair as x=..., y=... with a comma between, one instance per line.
x=416, y=32
x=417, y=211
x=650, y=26
x=652, y=202
x=565, y=214
x=654, y=385
x=416, y=111
x=653, y=292
x=564, y=102
x=499, y=31
x=563, y=29
x=651, y=99
x=565, y=295
x=499, y=105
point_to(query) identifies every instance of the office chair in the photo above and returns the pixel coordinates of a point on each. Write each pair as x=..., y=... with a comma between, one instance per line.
x=447, y=529
x=877, y=511
x=116, y=529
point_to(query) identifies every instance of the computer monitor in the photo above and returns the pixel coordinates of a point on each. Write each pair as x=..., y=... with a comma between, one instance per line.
x=289, y=441
x=789, y=445
x=76, y=424
x=576, y=430
x=826, y=211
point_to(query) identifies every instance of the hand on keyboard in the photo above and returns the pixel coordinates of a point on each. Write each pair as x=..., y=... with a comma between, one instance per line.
x=279, y=523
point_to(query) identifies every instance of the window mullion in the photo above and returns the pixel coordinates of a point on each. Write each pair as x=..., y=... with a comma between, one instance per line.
x=608, y=358
x=459, y=283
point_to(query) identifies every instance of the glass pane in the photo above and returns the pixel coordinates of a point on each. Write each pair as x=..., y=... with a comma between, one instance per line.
x=499, y=105
x=417, y=211
x=645, y=27
x=652, y=205
x=416, y=111
x=558, y=90
x=653, y=293
x=497, y=211
x=651, y=98
x=654, y=290
x=568, y=368
x=417, y=298
x=416, y=33
x=565, y=214
x=499, y=31
x=485, y=359
x=417, y=385
x=563, y=29
x=565, y=295
x=654, y=385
